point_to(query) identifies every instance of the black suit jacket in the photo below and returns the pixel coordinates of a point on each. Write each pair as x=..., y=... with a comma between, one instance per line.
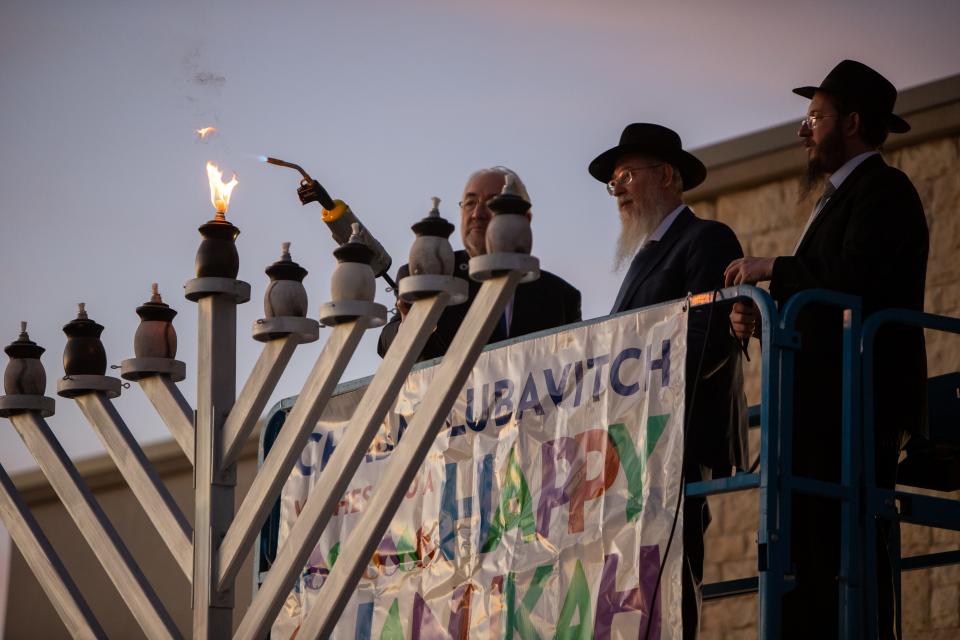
x=544, y=303
x=870, y=240
x=691, y=258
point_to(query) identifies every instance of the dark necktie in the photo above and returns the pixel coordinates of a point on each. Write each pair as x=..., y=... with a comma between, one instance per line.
x=632, y=273
x=828, y=191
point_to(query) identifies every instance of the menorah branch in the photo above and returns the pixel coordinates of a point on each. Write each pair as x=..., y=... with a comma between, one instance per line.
x=405, y=461
x=45, y=564
x=173, y=409
x=94, y=526
x=253, y=398
x=157, y=503
x=364, y=424
x=323, y=378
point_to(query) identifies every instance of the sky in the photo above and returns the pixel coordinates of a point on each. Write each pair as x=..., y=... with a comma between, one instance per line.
x=102, y=180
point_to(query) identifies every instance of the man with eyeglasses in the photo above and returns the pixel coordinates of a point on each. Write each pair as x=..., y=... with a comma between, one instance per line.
x=544, y=303
x=671, y=253
x=867, y=236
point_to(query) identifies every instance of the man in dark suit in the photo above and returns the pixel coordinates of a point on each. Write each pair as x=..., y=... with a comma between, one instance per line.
x=866, y=236
x=672, y=253
x=544, y=303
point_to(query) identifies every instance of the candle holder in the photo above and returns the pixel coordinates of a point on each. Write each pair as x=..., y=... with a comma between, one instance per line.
x=84, y=359
x=24, y=374
x=217, y=256
x=431, y=261
x=154, y=343
x=509, y=238
x=352, y=285
x=24, y=379
x=285, y=303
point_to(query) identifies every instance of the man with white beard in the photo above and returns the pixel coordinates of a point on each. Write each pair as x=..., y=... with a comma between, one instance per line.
x=671, y=252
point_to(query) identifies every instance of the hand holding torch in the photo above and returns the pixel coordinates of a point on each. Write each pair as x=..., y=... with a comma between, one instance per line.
x=340, y=218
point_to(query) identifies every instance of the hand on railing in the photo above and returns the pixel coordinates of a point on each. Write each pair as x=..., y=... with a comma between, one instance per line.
x=743, y=320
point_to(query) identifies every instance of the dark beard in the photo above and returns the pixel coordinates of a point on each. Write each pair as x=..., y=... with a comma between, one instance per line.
x=827, y=159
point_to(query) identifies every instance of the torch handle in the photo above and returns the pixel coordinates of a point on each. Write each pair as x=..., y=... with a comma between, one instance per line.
x=312, y=191
x=340, y=219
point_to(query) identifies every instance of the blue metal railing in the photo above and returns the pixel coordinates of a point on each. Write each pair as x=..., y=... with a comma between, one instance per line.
x=862, y=501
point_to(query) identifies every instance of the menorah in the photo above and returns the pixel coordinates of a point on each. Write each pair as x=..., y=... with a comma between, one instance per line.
x=211, y=435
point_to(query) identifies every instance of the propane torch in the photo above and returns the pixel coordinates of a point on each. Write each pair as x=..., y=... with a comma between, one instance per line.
x=339, y=218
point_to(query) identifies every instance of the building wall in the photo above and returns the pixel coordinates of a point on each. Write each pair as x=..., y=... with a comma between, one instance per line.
x=768, y=219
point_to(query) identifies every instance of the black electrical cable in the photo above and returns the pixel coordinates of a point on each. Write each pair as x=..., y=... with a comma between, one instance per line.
x=686, y=432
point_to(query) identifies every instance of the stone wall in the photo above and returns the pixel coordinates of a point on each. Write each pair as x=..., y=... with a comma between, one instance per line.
x=768, y=220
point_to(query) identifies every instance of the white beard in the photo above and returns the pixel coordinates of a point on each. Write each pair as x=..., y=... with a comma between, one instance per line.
x=636, y=224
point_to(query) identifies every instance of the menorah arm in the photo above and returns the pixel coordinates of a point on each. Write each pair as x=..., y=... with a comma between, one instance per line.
x=256, y=505
x=404, y=463
x=93, y=524
x=45, y=564
x=364, y=424
x=253, y=398
x=157, y=503
x=173, y=409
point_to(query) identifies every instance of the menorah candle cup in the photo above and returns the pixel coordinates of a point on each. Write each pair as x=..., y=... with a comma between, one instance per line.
x=155, y=337
x=285, y=295
x=217, y=255
x=24, y=374
x=84, y=353
x=431, y=253
x=509, y=229
x=353, y=278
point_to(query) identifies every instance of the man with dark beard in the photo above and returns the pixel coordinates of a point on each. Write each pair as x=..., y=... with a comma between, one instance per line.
x=671, y=253
x=867, y=236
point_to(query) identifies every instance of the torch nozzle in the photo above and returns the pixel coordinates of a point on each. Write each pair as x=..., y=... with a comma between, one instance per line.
x=310, y=190
x=284, y=163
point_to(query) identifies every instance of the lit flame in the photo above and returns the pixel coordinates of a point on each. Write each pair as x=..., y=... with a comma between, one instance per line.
x=203, y=133
x=219, y=192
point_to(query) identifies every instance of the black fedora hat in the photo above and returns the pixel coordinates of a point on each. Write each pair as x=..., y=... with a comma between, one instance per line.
x=863, y=89
x=652, y=140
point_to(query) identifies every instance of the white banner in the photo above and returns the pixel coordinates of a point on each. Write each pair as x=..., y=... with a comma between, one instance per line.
x=544, y=506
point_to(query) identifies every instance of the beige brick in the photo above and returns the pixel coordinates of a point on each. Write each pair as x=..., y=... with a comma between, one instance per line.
x=711, y=570
x=945, y=607
x=944, y=539
x=945, y=576
x=727, y=547
x=942, y=297
x=776, y=242
x=942, y=350
x=734, y=570
x=915, y=599
x=706, y=209
x=730, y=613
x=933, y=634
x=742, y=512
x=764, y=208
x=913, y=537
x=941, y=218
x=926, y=160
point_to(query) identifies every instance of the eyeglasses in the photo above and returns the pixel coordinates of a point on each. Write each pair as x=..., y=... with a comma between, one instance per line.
x=626, y=177
x=472, y=202
x=810, y=122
